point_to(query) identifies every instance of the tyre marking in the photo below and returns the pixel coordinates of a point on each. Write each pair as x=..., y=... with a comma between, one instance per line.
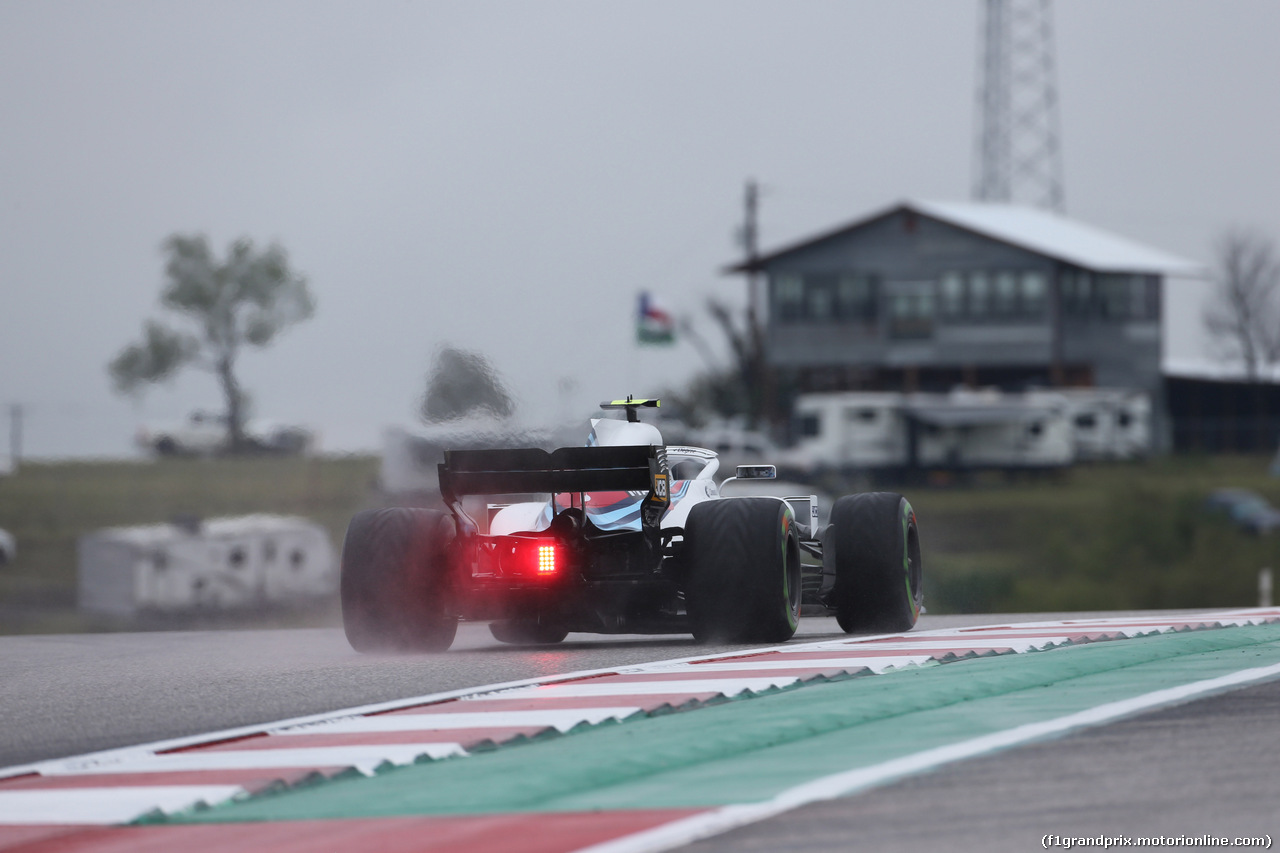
x=908, y=519
x=792, y=617
x=793, y=614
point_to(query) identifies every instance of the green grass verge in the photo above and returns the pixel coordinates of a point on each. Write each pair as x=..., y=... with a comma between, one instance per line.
x=48, y=506
x=1098, y=537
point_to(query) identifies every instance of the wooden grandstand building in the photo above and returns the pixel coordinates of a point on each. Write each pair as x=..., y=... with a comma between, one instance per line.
x=930, y=295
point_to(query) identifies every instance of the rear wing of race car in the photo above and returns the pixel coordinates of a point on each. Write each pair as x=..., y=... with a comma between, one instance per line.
x=634, y=468
x=569, y=469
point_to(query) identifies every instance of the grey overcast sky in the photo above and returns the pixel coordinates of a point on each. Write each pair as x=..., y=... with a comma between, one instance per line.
x=506, y=176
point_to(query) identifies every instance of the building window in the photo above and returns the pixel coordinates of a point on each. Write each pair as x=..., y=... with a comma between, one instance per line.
x=788, y=298
x=979, y=294
x=1033, y=294
x=1110, y=296
x=951, y=295
x=820, y=297
x=824, y=298
x=1113, y=296
x=1145, y=297
x=1143, y=304
x=1077, y=293
x=911, y=308
x=856, y=298
x=1127, y=297
x=1005, y=294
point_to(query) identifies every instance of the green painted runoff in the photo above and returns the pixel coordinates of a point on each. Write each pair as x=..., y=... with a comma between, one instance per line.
x=750, y=749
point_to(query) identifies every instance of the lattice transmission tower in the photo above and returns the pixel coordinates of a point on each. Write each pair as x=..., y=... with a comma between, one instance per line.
x=1018, y=154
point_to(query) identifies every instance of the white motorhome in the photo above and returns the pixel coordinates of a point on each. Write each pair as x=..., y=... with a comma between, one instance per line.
x=734, y=444
x=960, y=430
x=853, y=429
x=221, y=563
x=1107, y=423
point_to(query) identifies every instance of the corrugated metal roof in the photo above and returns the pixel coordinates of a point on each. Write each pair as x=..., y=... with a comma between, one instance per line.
x=1057, y=236
x=1029, y=228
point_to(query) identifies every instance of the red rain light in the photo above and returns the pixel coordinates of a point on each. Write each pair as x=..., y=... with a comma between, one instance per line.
x=546, y=559
x=528, y=557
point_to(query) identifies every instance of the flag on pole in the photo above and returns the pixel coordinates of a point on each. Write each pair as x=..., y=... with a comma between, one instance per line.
x=654, y=324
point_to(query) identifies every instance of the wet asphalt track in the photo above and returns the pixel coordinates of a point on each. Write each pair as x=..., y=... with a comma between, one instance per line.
x=69, y=694
x=1211, y=766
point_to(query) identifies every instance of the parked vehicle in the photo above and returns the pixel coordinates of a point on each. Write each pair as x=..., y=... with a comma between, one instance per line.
x=734, y=444
x=214, y=564
x=967, y=429
x=1246, y=509
x=205, y=434
x=957, y=431
x=1106, y=423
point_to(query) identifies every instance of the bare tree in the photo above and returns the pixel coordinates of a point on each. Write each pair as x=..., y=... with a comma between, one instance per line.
x=1243, y=320
x=747, y=343
x=244, y=301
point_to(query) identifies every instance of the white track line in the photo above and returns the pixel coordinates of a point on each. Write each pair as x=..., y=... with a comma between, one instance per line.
x=682, y=832
x=364, y=758
x=690, y=687
x=561, y=719
x=104, y=806
x=1013, y=642
x=852, y=662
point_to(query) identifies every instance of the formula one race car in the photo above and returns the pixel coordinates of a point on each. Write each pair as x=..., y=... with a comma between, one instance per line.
x=616, y=545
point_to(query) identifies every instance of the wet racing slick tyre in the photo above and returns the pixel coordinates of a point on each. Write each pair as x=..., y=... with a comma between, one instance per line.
x=395, y=581
x=873, y=545
x=527, y=632
x=744, y=570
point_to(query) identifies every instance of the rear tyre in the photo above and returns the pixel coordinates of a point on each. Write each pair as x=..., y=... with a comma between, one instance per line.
x=744, y=571
x=527, y=632
x=874, y=546
x=395, y=581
